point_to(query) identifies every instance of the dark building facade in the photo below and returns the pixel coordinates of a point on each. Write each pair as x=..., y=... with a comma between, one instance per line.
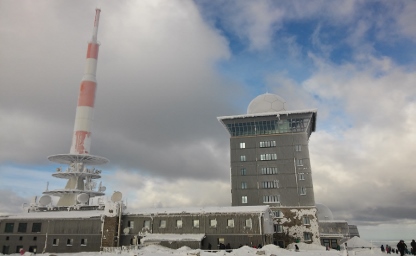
x=270, y=165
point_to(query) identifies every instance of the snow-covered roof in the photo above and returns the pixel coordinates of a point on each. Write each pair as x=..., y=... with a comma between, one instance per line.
x=201, y=210
x=172, y=237
x=56, y=215
x=277, y=114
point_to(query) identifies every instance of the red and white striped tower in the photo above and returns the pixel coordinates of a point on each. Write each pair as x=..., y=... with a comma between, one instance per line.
x=80, y=186
x=81, y=140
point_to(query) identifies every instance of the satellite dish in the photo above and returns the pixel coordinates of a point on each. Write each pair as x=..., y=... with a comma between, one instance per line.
x=116, y=197
x=45, y=200
x=126, y=231
x=102, y=188
x=83, y=198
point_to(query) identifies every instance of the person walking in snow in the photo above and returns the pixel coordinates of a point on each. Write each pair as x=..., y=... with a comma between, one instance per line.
x=382, y=248
x=413, y=244
x=401, y=246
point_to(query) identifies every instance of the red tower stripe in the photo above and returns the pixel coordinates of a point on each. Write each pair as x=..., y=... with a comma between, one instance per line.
x=87, y=94
x=92, y=51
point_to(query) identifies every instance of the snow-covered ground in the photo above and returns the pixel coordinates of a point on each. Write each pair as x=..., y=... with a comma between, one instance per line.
x=268, y=250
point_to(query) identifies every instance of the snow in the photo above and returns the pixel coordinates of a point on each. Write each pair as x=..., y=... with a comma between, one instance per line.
x=202, y=210
x=56, y=214
x=268, y=250
x=277, y=114
x=172, y=237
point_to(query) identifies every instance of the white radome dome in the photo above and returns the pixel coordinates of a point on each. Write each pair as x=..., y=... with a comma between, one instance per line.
x=323, y=212
x=265, y=103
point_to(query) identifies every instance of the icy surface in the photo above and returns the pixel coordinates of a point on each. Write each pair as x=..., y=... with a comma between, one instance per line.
x=268, y=250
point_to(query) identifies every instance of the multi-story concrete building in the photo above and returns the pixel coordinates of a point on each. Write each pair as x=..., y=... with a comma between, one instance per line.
x=270, y=165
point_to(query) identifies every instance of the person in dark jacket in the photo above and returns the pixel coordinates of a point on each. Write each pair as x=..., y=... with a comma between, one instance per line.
x=402, y=247
x=413, y=244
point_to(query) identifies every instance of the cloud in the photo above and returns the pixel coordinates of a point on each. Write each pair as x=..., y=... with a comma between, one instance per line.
x=370, y=151
x=149, y=192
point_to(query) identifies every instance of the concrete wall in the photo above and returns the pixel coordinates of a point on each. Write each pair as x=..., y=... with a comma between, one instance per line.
x=238, y=235
x=52, y=230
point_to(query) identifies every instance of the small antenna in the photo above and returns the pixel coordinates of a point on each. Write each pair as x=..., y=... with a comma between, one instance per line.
x=47, y=186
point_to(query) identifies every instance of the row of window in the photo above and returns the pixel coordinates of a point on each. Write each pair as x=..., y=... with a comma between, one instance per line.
x=269, y=144
x=270, y=157
x=270, y=171
x=268, y=127
x=35, y=238
x=272, y=198
x=264, y=184
x=195, y=223
x=22, y=227
x=272, y=184
x=69, y=242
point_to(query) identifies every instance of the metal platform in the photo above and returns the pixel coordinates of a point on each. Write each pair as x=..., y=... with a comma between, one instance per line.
x=67, y=175
x=59, y=192
x=73, y=158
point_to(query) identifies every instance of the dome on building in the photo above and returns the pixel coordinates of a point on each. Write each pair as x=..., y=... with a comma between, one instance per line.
x=265, y=103
x=323, y=212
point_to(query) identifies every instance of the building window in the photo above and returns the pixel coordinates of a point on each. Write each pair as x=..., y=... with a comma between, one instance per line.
x=302, y=191
x=69, y=242
x=213, y=223
x=22, y=228
x=242, y=158
x=278, y=228
x=301, y=176
x=18, y=248
x=230, y=223
x=268, y=170
x=179, y=223
x=298, y=148
x=270, y=184
x=35, y=238
x=9, y=228
x=162, y=224
x=196, y=223
x=244, y=199
x=278, y=214
x=243, y=171
x=271, y=199
x=299, y=162
x=267, y=144
x=249, y=223
x=55, y=242
x=242, y=145
x=268, y=157
x=306, y=220
x=146, y=224
x=36, y=227
x=307, y=236
x=243, y=185
x=83, y=242
x=7, y=238
x=20, y=238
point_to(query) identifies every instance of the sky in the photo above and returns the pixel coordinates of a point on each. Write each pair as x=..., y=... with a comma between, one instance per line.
x=168, y=69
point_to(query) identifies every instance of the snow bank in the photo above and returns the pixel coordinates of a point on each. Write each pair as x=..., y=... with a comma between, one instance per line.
x=306, y=247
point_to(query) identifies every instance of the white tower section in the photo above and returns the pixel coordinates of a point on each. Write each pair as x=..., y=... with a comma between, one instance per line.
x=81, y=185
x=81, y=140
